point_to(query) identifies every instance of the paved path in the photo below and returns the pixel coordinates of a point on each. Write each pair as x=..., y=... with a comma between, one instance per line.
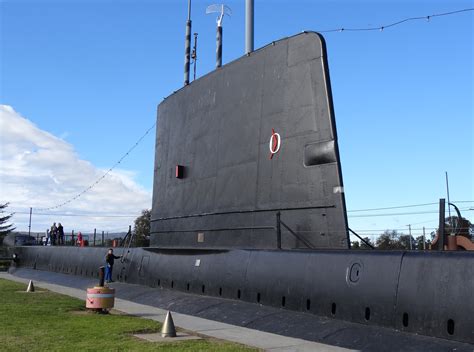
x=254, y=338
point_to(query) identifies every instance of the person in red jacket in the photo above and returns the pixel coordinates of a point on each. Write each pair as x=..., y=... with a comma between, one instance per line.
x=79, y=239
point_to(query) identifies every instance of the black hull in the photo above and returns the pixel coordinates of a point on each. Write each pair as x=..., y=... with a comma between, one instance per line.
x=427, y=293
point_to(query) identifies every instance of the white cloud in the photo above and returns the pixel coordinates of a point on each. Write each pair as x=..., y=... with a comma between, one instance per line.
x=40, y=170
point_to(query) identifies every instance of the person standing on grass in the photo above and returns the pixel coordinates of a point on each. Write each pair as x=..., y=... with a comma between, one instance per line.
x=109, y=259
x=60, y=234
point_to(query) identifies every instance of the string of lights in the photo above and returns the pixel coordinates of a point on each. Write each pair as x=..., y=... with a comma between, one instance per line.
x=409, y=19
x=103, y=176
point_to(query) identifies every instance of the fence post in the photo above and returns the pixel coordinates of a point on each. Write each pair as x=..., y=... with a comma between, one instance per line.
x=72, y=238
x=94, y=236
x=278, y=229
x=103, y=244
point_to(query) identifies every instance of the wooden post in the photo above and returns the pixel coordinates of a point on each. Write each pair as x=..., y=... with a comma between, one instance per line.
x=103, y=244
x=72, y=237
x=94, y=236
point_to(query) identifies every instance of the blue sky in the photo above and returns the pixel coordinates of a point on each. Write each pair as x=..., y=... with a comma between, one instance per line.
x=93, y=72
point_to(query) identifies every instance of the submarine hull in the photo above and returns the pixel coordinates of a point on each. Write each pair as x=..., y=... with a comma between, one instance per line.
x=428, y=293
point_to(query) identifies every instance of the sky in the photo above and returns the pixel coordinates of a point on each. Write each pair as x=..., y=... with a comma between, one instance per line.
x=80, y=82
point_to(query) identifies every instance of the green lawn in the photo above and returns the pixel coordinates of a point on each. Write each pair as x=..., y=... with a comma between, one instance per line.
x=46, y=321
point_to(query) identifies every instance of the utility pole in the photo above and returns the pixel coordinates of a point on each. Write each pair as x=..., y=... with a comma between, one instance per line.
x=29, y=225
x=451, y=232
x=409, y=231
x=424, y=239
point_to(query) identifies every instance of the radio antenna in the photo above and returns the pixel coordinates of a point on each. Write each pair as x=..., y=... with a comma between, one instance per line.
x=222, y=10
x=194, y=55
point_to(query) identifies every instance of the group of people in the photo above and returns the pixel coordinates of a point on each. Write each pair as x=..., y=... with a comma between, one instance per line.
x=55, y=235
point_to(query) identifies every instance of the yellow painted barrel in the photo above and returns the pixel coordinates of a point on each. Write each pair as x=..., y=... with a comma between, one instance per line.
x=100, y=297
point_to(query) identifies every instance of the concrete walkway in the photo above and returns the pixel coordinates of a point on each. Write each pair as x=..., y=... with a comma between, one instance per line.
x=204, y=327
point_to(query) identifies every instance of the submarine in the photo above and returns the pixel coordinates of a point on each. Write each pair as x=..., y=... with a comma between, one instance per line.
x=249, y=205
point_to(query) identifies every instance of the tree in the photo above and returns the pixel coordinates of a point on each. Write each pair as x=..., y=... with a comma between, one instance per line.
x=355, y=245
x=141, y=229
x=363, y=245
x=5, y=228
x=389, y=240
x=419, y=243
x=404, y=242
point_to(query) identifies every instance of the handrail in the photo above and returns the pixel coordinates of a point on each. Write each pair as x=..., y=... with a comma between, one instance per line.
x=128, y=236
x=363, y=240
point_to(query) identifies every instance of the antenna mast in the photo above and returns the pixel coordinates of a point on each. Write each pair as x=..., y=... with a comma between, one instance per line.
x=194, y=54
x=249, y=7
x=222, y=10
x=187, y=46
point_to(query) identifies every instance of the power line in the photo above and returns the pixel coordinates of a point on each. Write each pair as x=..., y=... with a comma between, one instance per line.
x=382, y=231
x=103, y=176
x=381, y=28
x=405, y=206
x=350, y=216
x=394, y=207
x=401, y=214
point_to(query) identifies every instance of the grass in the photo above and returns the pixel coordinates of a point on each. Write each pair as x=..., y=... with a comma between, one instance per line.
x=47, y=321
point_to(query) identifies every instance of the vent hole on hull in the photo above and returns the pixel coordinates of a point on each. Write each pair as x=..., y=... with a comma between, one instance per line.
x=333, y=308
x=258, y=297
x=450, y=326
x=203, y=288
x=172, y=284
x=187, y=286
x=367, y=313
x=308, y=304
x=220, y=291
x=238, y=294
x=158, y=283
x=283, y=301
x=405, y=319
